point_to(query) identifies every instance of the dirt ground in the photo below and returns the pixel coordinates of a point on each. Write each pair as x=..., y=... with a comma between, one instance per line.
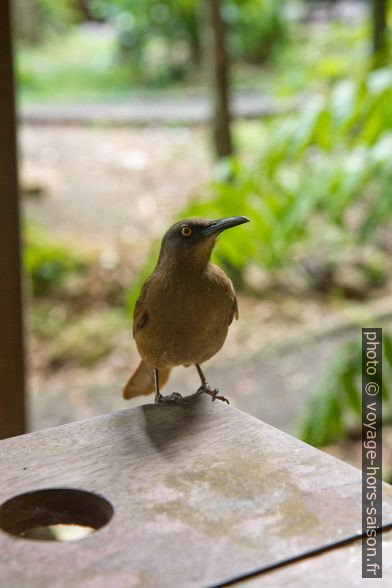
x=105, y=185
x=114, y=189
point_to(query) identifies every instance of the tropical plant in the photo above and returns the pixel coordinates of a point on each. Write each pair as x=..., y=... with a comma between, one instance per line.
x=335, y=407
x=322, y=179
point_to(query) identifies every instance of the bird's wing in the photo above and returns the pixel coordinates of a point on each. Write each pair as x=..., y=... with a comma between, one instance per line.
x=140, y=314
x=234, y=311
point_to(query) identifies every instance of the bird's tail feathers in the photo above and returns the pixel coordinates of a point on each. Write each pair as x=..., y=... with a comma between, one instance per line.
x=142, y=381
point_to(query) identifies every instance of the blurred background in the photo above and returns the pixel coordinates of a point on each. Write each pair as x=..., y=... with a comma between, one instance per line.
x=133, y=114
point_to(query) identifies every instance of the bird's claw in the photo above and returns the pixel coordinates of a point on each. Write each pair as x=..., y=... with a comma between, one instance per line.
x=213, y=393
x=216, y=397
x=174, y=397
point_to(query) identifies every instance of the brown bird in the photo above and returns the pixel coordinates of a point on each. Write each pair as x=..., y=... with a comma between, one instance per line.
x=184, y=309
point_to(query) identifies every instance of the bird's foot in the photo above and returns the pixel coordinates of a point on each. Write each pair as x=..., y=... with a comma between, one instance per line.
x=205, y=388
x=174, y=397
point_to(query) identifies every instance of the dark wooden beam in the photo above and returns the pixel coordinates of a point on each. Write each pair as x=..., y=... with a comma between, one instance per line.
x=12, y=382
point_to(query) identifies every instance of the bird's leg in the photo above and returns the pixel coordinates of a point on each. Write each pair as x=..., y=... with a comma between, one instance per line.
x=158, y=395
x=173, y=397
x=205, y=387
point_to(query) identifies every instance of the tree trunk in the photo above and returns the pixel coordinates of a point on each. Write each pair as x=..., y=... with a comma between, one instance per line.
x=379, y=33
x=12, y=392
x=219, y=78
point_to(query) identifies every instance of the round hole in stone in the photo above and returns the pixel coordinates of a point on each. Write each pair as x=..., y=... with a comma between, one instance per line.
x=55, y=514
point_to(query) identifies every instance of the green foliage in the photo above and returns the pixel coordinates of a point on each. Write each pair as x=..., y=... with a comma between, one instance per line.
x=143, y=25
x=335, y=407
x=313, y=168
x=79, y=340
x=255, y=27
x=89, y=339
x=48, y=262
x=129, y=52
x=73, y=65
x=42, y=17
x=141, y=276
x=54, y=16
x=316, y=58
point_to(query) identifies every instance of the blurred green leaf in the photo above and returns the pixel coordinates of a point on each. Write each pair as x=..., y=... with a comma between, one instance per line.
x=47, y=261
x=329, y=411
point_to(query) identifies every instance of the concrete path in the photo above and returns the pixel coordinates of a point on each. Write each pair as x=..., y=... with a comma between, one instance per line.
x=163, y=108
x=273, y=384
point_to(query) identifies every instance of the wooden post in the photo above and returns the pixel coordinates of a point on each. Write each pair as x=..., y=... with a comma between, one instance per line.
x=219, y=78
x=12, y=389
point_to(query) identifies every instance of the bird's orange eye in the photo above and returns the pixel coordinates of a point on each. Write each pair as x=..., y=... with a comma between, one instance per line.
x=186, y=231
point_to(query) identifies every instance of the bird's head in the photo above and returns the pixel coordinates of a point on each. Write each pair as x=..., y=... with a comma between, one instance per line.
x=191, y=241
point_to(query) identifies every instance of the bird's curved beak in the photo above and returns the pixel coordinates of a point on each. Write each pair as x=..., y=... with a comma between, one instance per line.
x=224, y=223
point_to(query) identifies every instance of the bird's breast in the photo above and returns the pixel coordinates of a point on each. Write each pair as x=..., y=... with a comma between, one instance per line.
x=188, y=319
